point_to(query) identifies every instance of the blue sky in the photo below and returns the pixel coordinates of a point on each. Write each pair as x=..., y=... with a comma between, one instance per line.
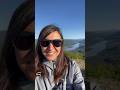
x=69, y=15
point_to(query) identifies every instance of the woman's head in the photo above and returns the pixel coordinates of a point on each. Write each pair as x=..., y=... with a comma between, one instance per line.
x=50, y=47
x=18, y=50
x=50, y=43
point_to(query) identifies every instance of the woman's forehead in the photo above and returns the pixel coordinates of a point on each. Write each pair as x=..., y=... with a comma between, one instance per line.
x=54, y=35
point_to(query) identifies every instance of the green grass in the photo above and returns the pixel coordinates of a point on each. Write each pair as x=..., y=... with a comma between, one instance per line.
x=103, y=71
x=75, y=55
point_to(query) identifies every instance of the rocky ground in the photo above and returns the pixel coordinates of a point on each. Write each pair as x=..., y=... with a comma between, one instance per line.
x=82, y=66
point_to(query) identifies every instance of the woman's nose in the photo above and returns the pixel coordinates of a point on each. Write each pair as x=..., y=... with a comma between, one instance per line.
x=50, y=46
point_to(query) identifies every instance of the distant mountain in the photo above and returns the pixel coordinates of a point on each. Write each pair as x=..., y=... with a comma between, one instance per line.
x=74, y=45
x=103, y=46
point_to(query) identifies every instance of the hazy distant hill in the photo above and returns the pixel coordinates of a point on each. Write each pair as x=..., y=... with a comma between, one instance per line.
x=74, y=45
x=103, y=46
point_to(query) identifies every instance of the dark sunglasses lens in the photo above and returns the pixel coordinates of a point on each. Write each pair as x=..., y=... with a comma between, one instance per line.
x=57, y=43
x=45, y=43
x=24, y=42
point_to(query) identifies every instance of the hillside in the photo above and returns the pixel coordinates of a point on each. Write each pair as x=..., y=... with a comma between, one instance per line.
x=105, y=45
x=103, y=54
x=74, y=45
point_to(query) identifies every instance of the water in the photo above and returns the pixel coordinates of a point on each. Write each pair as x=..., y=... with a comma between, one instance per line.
x=73, y=47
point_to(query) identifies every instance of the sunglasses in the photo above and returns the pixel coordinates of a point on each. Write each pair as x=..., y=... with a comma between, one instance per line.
x=25, y=40
x=56, y=43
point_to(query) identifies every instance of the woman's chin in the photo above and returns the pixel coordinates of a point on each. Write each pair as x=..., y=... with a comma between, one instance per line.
x=51, y=58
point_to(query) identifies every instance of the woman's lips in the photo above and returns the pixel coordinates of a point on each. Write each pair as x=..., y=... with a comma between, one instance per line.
x=50, y=53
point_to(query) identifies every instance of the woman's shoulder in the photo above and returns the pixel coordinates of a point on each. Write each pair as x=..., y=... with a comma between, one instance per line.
x=72, y=63
x=74, y=71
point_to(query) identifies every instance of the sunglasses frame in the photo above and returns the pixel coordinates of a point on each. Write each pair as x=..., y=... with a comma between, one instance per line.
x=52, y=42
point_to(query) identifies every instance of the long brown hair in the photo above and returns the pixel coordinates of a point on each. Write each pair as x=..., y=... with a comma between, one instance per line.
x=9, y=69
x=62, y=62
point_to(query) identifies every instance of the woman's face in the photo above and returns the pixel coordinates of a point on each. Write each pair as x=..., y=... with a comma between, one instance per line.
x=25, y=57
x=49, y=49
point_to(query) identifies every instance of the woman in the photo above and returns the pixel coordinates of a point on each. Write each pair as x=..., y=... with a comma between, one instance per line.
x=55, y=71
x=17, y=69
